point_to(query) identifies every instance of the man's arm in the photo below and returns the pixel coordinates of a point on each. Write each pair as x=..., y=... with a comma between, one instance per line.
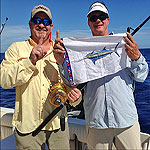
x=15, y=72
x=59, y=54
x=139, y=66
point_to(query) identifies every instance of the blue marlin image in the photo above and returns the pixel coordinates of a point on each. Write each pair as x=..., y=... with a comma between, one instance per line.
x=95, y=55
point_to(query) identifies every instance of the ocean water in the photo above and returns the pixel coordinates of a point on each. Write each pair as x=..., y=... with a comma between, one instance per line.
x=142, y=96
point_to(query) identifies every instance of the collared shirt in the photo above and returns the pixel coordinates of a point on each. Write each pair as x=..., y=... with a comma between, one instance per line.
x=32, y=105
x=109, y=101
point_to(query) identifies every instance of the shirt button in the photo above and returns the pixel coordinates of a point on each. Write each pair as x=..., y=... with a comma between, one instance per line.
x=43, y=85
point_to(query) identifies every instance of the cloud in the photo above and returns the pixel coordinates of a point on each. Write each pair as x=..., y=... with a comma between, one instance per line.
x=12, y=34
x=71, y=33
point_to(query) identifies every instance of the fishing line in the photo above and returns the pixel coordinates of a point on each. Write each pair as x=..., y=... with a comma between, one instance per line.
x=141, y=18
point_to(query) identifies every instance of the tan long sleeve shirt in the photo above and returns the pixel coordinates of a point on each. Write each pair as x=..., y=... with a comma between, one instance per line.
x=32, y=82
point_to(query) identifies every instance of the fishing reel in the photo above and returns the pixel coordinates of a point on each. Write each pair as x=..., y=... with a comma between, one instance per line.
x=58, y=94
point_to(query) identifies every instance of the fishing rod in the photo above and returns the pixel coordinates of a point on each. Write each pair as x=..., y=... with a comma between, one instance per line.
x=2, y=27
x=135, y=30
x=49, y=117
x=58, y=97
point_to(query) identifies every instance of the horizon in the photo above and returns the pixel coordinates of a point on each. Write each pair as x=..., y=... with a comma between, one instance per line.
x=139, y=49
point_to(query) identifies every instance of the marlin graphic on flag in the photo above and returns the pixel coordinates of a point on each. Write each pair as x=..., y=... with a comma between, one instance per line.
x=95, y=55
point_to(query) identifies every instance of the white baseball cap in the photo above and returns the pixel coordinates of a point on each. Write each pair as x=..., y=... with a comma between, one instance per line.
x=98, y=6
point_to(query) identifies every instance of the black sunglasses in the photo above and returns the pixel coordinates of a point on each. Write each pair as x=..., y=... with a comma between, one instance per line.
x=46, y=22
x=94, y=18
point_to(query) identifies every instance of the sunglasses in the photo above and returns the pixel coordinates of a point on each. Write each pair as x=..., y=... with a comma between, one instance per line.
x=94, y=18
x=46, y=22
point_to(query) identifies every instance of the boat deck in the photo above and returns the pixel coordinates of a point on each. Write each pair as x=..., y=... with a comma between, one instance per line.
x=77, y=130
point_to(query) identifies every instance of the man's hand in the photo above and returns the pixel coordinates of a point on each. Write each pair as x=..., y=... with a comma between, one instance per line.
x=37, y=52
x=74, y=95
x=131, y=47
x=59, y=51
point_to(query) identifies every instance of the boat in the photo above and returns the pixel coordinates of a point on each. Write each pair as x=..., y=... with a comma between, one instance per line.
x=77, y=131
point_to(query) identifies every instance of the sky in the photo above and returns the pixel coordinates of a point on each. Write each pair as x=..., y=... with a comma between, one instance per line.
x=70, y=18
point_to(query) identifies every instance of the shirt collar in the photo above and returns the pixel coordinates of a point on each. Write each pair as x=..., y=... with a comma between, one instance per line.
x=32, y=43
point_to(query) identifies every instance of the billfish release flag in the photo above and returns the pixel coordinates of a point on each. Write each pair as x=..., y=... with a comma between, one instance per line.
x=90, y=58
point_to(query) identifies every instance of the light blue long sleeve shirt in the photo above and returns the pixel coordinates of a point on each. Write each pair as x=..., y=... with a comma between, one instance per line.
x=109, y=101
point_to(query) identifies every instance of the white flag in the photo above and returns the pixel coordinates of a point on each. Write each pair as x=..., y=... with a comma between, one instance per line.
x=95, y=57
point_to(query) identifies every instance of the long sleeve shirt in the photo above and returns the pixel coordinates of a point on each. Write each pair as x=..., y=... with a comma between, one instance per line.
x=32, y=104
x=109, y=101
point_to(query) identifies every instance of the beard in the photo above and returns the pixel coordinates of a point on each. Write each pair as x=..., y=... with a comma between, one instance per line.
x=37, y=33
x=40, y=33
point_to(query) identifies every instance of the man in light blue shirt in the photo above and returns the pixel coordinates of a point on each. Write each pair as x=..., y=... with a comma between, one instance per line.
x=110, y=111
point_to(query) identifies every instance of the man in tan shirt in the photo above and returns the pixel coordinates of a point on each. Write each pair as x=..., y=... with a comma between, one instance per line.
x=31, y=67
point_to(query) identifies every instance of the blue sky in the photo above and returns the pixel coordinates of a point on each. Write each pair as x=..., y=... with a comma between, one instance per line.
x=69, y=16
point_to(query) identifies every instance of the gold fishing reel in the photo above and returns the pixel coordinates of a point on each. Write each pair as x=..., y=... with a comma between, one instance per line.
x=58, y=94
